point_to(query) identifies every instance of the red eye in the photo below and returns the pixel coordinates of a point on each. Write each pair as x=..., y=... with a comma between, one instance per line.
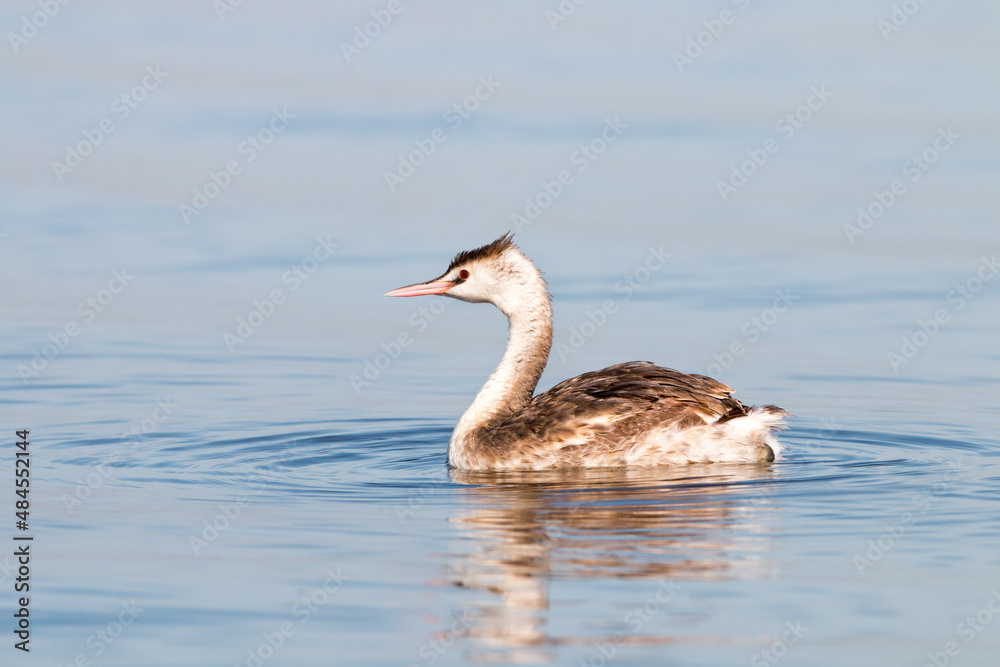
x=463, y=274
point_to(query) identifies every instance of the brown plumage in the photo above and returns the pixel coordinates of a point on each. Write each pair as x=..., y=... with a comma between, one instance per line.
x=635, y=413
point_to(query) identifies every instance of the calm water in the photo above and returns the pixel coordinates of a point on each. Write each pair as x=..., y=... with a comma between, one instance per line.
x=239, y=445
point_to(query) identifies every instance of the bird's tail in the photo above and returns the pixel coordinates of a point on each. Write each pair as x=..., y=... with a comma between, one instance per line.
x=757, y=427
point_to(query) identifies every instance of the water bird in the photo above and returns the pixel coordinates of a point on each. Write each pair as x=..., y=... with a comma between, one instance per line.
x=630, y=414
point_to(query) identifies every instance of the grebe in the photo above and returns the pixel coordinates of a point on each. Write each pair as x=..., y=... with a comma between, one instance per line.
x=630, y=414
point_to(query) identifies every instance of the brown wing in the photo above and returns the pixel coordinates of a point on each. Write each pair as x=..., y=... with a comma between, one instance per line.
x=620, y=401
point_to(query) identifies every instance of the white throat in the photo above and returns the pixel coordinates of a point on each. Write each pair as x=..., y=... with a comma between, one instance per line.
x=526, y=303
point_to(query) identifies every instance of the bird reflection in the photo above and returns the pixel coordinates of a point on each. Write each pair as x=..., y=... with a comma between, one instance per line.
x=667, y=525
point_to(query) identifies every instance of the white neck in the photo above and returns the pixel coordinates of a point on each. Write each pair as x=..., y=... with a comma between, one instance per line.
x=512, y=385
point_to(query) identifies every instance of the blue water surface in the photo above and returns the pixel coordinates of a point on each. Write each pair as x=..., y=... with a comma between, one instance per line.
x=239, y=447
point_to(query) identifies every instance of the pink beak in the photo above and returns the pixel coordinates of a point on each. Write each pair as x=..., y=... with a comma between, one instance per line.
x=423, y=289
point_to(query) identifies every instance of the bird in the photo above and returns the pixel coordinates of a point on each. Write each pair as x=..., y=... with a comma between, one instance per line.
x=631, y=414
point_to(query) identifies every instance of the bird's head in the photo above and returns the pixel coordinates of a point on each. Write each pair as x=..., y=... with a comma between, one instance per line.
x=496, y=273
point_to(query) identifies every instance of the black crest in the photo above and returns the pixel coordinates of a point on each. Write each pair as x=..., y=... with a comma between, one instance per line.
x=488, y=251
